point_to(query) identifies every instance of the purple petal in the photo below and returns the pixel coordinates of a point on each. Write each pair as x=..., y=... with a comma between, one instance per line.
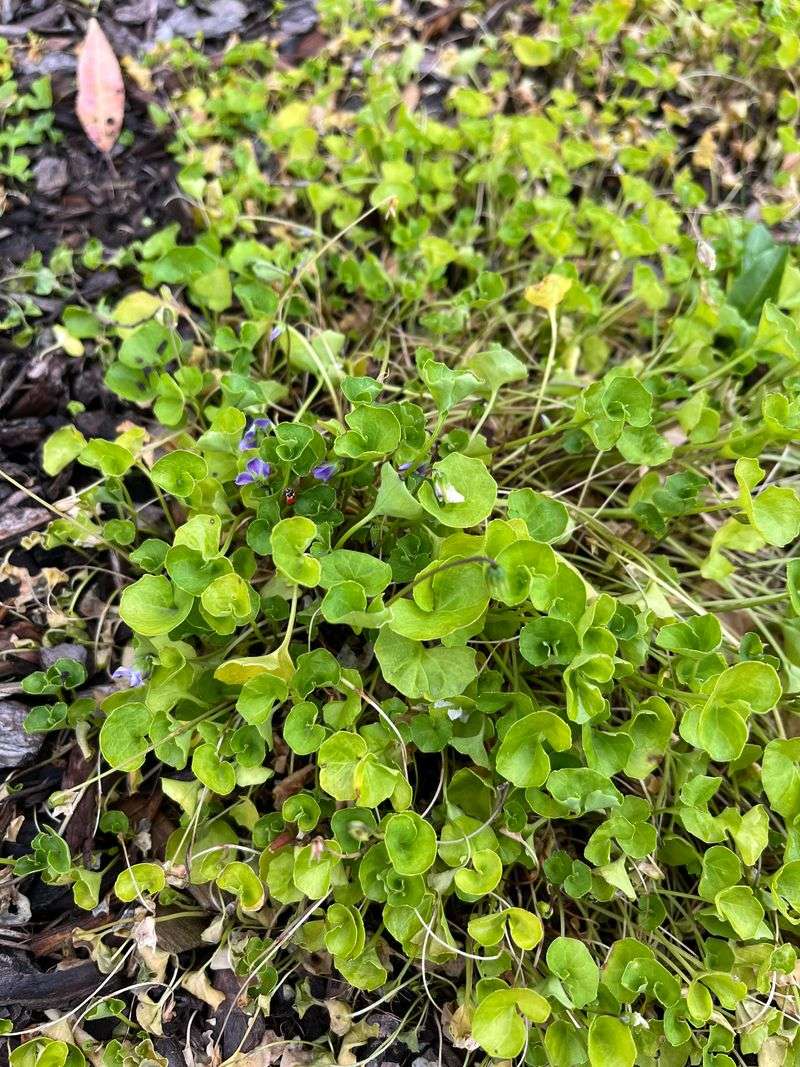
x=324, y=471
x=259, y=468
x=244, y=478
x=249, y=436
x=131, y=675
x=404, y=467
x=275, y=332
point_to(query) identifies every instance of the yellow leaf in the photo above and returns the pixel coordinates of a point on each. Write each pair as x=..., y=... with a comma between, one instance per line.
x=291, y=116
x=705, y=153
x=71, y=345
x=549, y=292
x=239, y=671
x=136, y=308
x=138, y=74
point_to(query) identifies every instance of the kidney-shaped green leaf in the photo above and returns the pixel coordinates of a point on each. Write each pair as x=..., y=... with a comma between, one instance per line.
x=153, y=605
x=179, y=471
x=410, y=842
x=461, y=492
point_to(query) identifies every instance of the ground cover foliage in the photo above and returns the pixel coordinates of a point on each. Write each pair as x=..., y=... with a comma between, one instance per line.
x=443, y=603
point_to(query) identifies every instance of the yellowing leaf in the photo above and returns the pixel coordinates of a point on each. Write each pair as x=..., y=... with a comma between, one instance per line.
x=705, y=153
x=532, y=52
x=138, y=73
x=71, y=345
x=100, y=105
x=291, y=116
x=239, y=671
x=549, y=292
x=136, y=308
x=61, y=448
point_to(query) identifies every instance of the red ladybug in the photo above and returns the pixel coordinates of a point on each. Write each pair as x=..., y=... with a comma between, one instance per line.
x=289, y=496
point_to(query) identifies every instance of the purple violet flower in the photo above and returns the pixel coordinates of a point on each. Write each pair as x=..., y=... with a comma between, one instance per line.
x=420, y=471
x=131, y=675
x=324, y=471
x=249, y=437
x=255, y=470
x=275, y=332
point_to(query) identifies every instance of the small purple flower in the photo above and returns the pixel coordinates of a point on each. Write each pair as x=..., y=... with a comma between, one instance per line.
x=249, y=437
x=256, y=470
x=275, y=332
x=131, y=675
x=324, y=471
x=421, y=470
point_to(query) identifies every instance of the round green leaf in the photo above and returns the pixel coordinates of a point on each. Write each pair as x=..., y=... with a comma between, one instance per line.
x=303, y=810
x=212, y=771
x=611, y=1043
x=153, y=605
x=192, y=573
x=570, y=961
x=521, y=758
x=123, y=736
x=313, y=869
x=497, y=1024
x=140, y=879
x=258, y=698
x=374, y=433
x=243, y=882
x=547, y=519
x=343, y=565
x=487, y=930
x=111, y=459
x=547, y=642
x=290, y=538
x=410, y=842
x=61, y=448
x=178, y=472
x=525, y=928
x=301, y=731
x=483, y=877
x=344, y=931
x=416, y=671
x=497, y=367
x=461, y=492
x=226, y=602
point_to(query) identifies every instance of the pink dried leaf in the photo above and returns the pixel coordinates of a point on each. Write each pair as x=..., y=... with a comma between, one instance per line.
x=100, y=105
